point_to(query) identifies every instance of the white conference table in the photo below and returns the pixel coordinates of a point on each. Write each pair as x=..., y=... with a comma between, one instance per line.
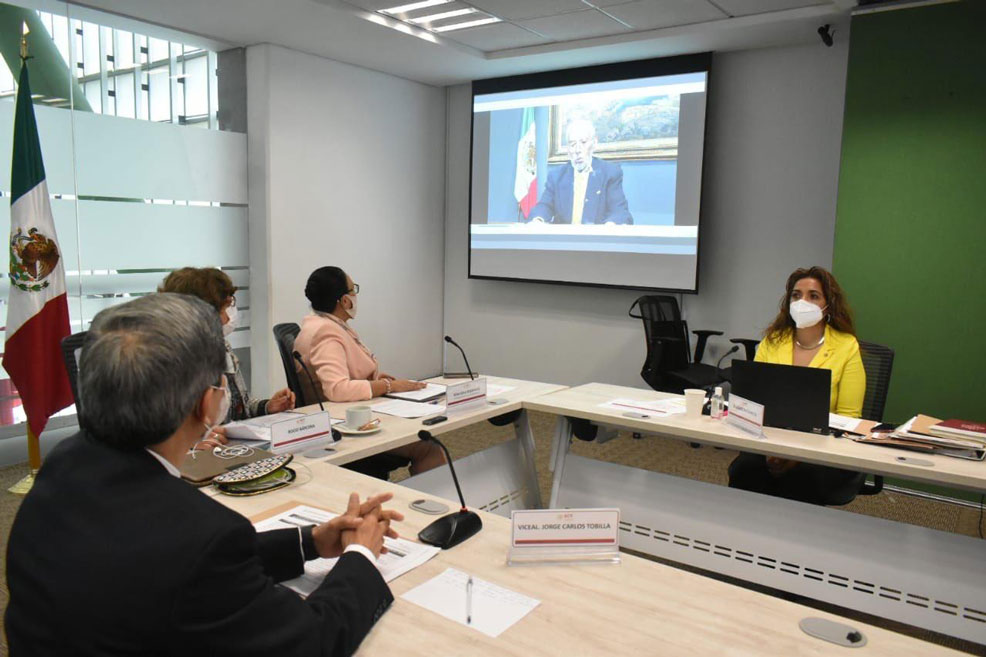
x=637, y=607
x=500, y=478
x=919, y=576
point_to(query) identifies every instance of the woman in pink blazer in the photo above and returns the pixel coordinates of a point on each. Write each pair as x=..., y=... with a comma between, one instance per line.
x=344, y=367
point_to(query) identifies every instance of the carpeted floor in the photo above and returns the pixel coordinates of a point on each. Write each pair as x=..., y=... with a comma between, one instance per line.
x=661, y=455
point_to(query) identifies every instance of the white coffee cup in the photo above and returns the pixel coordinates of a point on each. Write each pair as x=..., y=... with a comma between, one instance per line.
x=357, y=416
x=694, y=401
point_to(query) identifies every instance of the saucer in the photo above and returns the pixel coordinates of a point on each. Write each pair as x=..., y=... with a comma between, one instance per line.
x=344, y=428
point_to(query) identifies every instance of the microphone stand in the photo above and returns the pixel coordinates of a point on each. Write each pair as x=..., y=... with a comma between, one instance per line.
x=452, y=529
x=448, y=339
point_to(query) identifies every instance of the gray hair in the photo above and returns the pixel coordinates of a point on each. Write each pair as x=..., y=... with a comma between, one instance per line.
x=145, y=365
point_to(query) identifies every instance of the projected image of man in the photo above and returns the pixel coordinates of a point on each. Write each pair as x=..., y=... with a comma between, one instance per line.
x=587, y=190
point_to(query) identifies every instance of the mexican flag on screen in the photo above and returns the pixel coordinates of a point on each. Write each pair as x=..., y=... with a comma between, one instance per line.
x=37, y=312
x=526, y=176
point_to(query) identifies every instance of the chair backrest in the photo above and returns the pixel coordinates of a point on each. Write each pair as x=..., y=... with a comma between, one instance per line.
x=666, y=336
x=284, y=335
x=71, y=346
x=878, y=362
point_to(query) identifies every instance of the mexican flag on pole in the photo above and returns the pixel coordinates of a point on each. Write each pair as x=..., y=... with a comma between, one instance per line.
x=526, y=176
x=37, y=311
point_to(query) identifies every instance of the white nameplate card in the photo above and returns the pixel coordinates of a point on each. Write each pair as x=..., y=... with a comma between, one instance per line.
x=564, y=535
x=746, y=415
x=300, y=433
x=466, y=395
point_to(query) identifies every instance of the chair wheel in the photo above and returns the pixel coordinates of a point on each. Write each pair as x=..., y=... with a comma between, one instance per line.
x=694, y=445
x=637, y=436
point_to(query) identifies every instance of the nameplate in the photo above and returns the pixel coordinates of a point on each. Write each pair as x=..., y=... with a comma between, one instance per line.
x=465, y=396
x=565, y=528
x=300, y=433
x=746, y=415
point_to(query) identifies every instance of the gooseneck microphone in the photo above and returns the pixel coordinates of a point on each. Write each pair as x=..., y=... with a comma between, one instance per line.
x=731, y=351
x=448, y=531
x=311, y=379
x=463, y=351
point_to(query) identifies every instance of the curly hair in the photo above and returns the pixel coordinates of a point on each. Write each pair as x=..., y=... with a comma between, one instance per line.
x=212, y=285
x=838, y=314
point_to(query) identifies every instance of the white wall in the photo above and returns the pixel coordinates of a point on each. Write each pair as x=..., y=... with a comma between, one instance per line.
x=771, y=170
x=347, y=168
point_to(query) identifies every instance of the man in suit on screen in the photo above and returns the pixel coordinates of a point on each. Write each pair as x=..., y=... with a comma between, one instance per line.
x=587, y=190
x=112, y=553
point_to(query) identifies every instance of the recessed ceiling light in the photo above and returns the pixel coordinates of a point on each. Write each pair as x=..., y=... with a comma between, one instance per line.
x=431, y=18
x=403, y=9
x=462, y=26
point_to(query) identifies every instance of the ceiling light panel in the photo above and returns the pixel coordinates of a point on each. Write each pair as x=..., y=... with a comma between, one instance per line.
x=426, y=19
x=412, y=6
x=462, y=25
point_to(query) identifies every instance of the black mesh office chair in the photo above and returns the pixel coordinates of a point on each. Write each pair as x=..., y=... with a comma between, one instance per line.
x=71, y=345
x=378, y=465
x=878, y=363
x=670, y=366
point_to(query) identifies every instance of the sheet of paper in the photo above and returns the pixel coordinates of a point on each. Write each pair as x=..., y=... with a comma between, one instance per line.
x=494, y=608
x=657, y=407
x=401, y=408
x=495, y=390
x=402, y=555
x=843, y=423
x=430, y=391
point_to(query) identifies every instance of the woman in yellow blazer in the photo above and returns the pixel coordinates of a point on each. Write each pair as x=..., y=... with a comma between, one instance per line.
x=813, y=328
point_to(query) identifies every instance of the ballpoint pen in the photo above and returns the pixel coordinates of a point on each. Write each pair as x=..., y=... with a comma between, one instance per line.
x=469, y=601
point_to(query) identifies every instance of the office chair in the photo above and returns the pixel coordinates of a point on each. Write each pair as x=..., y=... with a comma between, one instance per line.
x=378, y=465
x=670, y=366
x=71, y=346
x=878, y=362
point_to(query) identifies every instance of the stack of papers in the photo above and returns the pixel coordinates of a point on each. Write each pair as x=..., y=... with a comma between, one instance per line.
x=402, y=555
x=657, y=407
x=915, y=435
x=429, y=392
x=493, y=608
x=409, y=409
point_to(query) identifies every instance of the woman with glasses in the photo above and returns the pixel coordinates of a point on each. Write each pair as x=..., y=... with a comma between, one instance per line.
x=216, y=288
x=343, y=367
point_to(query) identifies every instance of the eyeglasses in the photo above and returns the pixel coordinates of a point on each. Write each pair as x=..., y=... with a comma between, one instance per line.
x=355, y=289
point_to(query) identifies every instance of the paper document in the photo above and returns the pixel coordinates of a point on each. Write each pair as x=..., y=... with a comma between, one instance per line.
x=256, y=430
x=495, y=390
x=402, y=555
x=429, y=392
x=494, y=608
x=410, y=409
x=843, y=423
x=658, y=407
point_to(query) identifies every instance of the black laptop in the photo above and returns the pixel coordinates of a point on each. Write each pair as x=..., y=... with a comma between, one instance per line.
x=793, y=397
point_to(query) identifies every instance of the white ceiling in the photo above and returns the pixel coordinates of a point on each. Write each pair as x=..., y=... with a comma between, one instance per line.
x=534, y=35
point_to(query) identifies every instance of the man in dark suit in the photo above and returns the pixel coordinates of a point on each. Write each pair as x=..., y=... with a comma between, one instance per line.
x=587, y=190
x=111, y=553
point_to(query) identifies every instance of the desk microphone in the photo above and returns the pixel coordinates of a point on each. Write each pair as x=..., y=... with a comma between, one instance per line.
x=448, y=531
x=731, y=351
x=469, y=369
x=311, y=379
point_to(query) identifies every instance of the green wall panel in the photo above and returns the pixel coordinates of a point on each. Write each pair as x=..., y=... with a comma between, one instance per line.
x=910, y=240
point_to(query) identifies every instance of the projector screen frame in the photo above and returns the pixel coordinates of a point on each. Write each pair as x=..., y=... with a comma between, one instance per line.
x=641, y=68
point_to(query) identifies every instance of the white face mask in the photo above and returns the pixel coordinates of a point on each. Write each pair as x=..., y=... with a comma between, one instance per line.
x=351, y=311
x=223, y=411
x=804, y=313
x=233, y=318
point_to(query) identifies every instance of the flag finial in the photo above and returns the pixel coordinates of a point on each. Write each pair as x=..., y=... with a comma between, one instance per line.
x=24, y=32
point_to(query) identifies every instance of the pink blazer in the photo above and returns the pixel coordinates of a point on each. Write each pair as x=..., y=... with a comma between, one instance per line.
x=341, y=364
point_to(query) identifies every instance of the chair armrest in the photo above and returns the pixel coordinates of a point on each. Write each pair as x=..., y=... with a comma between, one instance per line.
x=749, y=344
x=703, y=337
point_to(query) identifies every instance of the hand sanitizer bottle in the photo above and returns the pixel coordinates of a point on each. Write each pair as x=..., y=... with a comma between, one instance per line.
x=717, y=405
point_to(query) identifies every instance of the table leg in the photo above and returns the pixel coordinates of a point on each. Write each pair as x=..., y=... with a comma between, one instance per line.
x=522, y=429
x=562, y=440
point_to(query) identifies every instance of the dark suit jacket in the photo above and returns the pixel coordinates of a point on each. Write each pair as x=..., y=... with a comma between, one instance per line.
x=604, y=199
x=111, y=555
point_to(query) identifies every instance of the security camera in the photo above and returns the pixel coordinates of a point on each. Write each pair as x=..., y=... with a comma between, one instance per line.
x=825, y=32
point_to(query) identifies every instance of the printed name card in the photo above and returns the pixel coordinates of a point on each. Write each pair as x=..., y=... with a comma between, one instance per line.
x=300, y=433
x=746, y=415
x=565, y=528
x=466, y=395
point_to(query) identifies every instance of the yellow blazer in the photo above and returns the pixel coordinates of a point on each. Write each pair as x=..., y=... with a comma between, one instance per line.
x=839, y=353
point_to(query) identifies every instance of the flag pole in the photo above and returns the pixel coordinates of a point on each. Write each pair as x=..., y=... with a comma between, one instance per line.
x=23, y=486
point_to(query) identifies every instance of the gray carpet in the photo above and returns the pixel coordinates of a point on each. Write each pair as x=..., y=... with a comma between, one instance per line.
x=657, y=454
